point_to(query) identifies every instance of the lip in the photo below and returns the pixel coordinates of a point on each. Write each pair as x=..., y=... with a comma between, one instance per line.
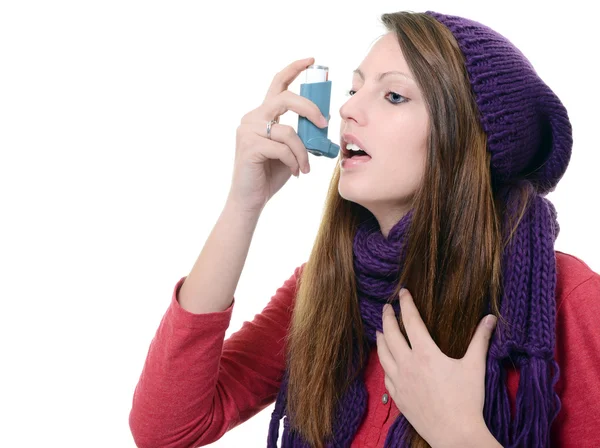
x=351, y=138
x=353, y=162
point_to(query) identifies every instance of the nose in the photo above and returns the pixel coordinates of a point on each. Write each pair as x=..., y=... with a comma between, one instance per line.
x=352, y=110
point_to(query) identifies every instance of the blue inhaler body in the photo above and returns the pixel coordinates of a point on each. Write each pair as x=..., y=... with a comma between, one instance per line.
x=317, y=89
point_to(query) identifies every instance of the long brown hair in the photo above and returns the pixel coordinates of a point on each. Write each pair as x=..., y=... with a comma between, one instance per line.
x=454, y=249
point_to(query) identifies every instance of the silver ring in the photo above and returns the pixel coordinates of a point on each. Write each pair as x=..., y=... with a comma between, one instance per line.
x=269, y=127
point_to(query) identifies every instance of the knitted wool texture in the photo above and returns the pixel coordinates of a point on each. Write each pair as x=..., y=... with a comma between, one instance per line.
x=530, y=140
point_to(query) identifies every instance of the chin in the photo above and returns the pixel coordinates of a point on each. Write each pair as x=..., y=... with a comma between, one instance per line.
x=352, y=190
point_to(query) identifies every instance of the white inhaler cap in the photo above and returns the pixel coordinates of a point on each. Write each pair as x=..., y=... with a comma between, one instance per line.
x=316, y=73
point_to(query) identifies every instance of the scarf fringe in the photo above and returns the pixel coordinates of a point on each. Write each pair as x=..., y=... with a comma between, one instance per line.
x=496, y=410
x=537, y=403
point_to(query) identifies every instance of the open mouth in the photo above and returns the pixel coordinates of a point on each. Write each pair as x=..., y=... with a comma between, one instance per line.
x=353, y=156
x=352, y=150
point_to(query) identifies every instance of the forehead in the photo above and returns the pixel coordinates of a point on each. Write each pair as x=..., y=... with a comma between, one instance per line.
x=384, y=55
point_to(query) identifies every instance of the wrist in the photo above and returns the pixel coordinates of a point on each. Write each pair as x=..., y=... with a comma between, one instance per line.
x=480, y=437
x=234, y=206
x=473, y=436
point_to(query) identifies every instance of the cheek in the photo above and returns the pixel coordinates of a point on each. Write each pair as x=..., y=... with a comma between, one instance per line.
x=401, y=169
x=405, y=156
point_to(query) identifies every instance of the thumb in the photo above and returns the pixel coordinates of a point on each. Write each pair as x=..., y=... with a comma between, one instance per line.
x=477, y=351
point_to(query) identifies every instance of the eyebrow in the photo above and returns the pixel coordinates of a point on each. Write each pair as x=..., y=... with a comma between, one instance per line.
x=380, y=76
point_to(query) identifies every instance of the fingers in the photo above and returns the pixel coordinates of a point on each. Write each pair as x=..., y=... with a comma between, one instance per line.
x=254, y=140
x=287, y=135
x=417, y=331
x=389, y=385
x=304, y=107
x=283, y=102
x=478, y=348
x=386, y=358
x=276, y=150
x=393, y=337
x=285, y=77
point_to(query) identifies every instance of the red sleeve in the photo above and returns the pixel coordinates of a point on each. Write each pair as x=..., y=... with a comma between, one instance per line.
x=578, y=355
x=195, y=386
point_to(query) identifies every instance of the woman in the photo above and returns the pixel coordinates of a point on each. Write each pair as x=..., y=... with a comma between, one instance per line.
x=463, y=141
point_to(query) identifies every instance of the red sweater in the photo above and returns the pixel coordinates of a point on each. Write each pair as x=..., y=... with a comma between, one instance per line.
x=195, y=386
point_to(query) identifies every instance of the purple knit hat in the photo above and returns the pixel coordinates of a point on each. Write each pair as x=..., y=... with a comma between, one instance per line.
x=528, y=129
x=530, y=140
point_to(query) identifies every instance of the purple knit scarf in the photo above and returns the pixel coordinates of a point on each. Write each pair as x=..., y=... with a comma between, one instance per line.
x=527, y=304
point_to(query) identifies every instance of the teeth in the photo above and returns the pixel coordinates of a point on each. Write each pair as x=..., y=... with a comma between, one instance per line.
x=353, y=147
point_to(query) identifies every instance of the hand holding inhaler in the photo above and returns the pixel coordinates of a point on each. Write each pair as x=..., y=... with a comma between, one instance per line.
x=264, y=163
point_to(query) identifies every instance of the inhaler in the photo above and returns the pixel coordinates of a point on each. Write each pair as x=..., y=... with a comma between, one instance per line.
x=317, y=89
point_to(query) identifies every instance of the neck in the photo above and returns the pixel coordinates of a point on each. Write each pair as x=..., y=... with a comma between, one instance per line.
x=389, y=217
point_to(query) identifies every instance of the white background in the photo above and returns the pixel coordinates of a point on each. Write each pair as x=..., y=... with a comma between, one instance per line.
x=117, y=131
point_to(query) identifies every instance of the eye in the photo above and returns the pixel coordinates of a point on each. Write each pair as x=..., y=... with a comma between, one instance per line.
x=397, y=97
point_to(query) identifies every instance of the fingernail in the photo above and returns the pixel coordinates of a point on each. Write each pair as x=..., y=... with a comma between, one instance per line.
x=490, y=321
x=386, y=307
x=323, y=121
x=306, y=168
x=402, y=291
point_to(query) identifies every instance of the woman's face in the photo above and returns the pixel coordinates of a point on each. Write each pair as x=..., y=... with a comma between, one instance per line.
x=387, y=115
